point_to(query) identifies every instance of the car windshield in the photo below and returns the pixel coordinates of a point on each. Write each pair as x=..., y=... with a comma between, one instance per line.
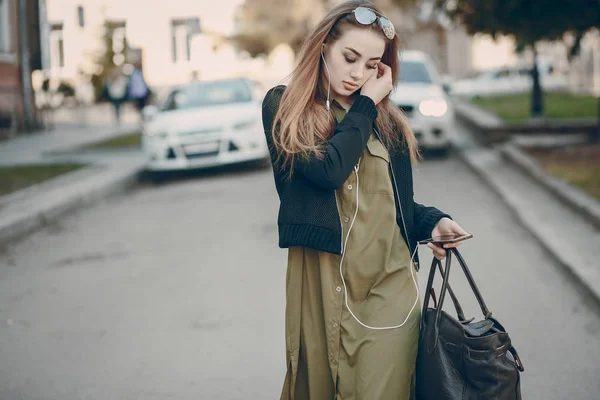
x=204, y=94
x=414, y=72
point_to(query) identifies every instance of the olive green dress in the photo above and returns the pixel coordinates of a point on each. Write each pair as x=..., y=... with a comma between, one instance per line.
x=329, y=354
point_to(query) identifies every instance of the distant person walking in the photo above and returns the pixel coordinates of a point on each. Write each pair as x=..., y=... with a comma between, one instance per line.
x=138, y=89
x=115, y=91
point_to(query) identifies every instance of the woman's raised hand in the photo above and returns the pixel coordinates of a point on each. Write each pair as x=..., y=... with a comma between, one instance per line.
x=379, y=85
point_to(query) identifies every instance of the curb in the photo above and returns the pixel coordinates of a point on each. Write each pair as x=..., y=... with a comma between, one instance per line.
x=479, y=121
x=579, y=201
x=21, y=222
x=84, y=148
x=490, y=129
x=568, y=263
x=483, y=123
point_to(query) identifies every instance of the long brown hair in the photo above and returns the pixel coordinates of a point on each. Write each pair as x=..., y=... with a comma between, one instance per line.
x=302, y=124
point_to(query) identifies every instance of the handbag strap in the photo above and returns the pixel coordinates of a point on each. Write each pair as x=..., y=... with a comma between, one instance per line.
x=515, y=355
x=486, y=312
x=445, y=275
x=457, y=306
x=430, y=286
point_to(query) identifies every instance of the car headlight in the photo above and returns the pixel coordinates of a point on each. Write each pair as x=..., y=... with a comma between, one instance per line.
x=238, y=126
x=433, y=107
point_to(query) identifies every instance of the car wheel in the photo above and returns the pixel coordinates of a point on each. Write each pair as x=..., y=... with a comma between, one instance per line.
x=442, y=152
x=436, y=152
x=152, y=177
x=264, y=163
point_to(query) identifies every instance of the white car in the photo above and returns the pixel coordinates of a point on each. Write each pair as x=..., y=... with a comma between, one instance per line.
x=205, y=124
x=419, y=93
x=507, y=80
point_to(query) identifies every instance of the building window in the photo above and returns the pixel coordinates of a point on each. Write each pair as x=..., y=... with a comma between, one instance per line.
x=182, y=31
x=180, y=38
x=5, y=45
x=57, y=46
x=80, y=17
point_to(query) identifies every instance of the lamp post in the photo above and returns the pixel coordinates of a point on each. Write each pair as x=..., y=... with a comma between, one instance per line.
x=25, y=65
x=596, y=80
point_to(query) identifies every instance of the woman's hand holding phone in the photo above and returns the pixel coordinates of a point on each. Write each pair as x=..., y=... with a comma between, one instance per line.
x=379, y=85
x=446, y=228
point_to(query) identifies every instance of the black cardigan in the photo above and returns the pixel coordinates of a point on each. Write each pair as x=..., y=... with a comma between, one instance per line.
x=308, y=214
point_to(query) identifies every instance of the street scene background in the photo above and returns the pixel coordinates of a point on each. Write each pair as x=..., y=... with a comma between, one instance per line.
x=139, y=261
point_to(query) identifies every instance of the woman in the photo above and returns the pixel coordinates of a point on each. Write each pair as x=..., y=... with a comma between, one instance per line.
x=342, y=155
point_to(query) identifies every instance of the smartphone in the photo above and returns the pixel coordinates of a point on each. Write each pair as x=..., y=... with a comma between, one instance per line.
x=440, y=240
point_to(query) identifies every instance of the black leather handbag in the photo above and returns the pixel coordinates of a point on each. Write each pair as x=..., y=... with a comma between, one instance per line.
x=459, y=358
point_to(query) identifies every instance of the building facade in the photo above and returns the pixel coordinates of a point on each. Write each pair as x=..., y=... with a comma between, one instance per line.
x=173, y=43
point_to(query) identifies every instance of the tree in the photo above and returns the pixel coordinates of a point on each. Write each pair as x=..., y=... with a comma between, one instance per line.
x=263, y=24
x=529, y=21
x=111, y=47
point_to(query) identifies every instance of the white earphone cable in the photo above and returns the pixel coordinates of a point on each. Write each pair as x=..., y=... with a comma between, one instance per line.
x=328, y=78
x=356, y=168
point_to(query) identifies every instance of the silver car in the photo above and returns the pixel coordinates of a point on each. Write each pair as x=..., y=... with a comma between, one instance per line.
x=419, y=93
x=205, y=124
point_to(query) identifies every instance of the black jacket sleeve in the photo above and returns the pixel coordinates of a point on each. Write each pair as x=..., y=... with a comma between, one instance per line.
x=343, y=149
x=425, y=220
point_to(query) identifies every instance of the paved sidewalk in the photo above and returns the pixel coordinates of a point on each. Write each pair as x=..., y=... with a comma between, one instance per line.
x=39, y=147
x=106, y=172
x=564, y=233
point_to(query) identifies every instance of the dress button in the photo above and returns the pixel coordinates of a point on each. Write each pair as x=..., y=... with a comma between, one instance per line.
x=349, y=187
x=334, y=361
x=339, y=289
x=346, y=219
x=335, y=325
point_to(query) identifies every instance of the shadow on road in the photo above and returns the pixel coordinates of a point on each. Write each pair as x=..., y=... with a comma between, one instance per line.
x=166, y=177
x=252, y=167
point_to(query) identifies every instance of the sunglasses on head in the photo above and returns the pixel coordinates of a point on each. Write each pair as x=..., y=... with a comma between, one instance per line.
x=366, y=16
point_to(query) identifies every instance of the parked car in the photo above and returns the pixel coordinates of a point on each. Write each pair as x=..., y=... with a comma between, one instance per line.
x=420, y=94
x=204, y=124
x=507, y=80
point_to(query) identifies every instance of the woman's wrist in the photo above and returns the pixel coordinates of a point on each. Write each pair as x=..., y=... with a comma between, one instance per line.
x=364, y=105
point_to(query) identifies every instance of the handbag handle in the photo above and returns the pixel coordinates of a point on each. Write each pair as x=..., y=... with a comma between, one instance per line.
x=445, y=275
x=485, y=311
x=457, y=306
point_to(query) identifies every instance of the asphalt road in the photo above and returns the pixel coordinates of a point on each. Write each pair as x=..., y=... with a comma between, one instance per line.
x=176, y=291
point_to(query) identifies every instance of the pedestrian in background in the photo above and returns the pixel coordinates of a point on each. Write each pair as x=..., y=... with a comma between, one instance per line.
x=115, y=91
x=342, y=156
x=138, y=89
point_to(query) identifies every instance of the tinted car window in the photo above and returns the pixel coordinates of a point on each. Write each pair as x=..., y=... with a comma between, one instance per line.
x=204, y=94
x=414, y=72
